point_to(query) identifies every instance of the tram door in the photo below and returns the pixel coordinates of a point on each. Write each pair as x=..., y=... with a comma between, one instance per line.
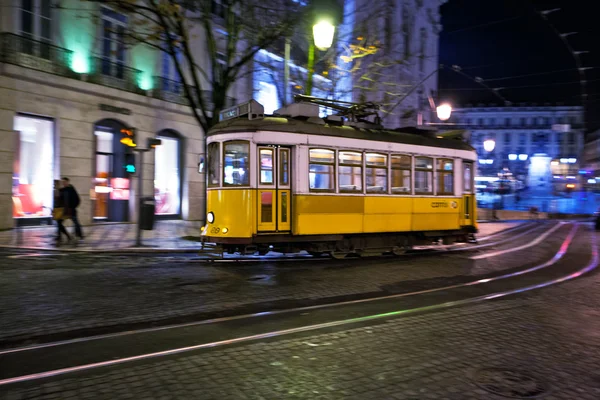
x=469, y=204
x=274, y=190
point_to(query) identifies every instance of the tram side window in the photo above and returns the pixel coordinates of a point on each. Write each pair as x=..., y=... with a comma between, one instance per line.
x=213, y=165
x=423, y=175
x=468, y=177
x=377, y=180
x=445, y=176
x=350, y=171
x=236, y=165
x=401, y=168
x=321, y=170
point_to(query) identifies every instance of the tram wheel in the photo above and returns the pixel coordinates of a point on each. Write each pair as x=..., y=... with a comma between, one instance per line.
x=338, y=255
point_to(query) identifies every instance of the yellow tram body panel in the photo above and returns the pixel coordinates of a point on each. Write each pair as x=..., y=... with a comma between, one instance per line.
x=236, y=211
x=313, y=215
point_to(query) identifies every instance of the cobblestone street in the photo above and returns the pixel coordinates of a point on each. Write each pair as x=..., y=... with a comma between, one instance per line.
x=543, y=343
x=61, y=294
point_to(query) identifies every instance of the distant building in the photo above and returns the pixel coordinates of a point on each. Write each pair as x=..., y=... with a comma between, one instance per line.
x=591, y=160
x=527, y=139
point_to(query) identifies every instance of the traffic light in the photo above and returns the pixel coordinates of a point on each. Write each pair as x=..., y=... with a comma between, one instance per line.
x=130, y=163
x=152, y=143
x=129, y=139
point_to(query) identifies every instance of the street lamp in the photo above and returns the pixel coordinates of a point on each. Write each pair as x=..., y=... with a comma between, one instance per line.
x=323, y=32
x=489, y=145
x=444, y=111
x=327, y=14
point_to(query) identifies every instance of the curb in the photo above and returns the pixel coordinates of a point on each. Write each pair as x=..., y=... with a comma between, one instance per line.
x=127, y=250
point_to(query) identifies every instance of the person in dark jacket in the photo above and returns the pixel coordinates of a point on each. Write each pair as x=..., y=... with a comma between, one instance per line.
x=71, y=199
x=59, y=205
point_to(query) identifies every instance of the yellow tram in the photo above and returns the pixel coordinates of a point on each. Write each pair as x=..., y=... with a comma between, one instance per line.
x=339, y=185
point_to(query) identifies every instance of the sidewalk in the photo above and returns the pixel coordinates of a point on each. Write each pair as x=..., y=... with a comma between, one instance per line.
x=118, y=237
x=167, y=236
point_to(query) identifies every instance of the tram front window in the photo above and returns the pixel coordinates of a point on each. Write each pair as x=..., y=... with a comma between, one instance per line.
x=236, y=165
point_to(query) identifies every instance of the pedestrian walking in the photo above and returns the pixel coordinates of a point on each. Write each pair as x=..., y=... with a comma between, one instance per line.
x=71, y=201
x=58, y=213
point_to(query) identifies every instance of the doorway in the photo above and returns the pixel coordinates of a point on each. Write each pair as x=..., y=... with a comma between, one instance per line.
x=274, y=189
x=111, y=181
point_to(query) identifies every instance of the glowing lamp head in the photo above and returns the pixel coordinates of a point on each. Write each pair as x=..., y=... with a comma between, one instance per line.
x=444, y=111
x=323, y=32
x=489, y=145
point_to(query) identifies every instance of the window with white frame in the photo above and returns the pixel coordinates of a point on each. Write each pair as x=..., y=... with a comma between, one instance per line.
x=113, y=43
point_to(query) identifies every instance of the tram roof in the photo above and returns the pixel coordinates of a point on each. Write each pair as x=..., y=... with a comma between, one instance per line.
x=300, y=126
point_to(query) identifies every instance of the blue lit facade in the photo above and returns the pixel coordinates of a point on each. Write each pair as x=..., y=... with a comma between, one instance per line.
x=530, y=141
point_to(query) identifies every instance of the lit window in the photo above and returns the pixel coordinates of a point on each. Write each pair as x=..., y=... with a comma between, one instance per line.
x=423, y=175
x=236, y=165
x=350, y=171
x=445, y=176
x=401, y=171
x=321, y=170
x=32, y=191
x=376, y=172
x=266, y=166
x=167, y=178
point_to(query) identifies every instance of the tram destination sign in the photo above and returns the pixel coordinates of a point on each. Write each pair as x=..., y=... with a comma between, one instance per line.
x=118, y=110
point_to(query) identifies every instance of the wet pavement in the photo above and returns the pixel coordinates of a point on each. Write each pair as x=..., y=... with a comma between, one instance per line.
x=166, y=236
x=55, y=295
x=540, y=344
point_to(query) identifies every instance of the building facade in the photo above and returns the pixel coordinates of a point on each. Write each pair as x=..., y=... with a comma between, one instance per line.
x=528, y=140
x=68, y=88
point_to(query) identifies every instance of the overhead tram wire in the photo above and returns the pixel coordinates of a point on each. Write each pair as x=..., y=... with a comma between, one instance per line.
x=575, y=54
x=456, y=69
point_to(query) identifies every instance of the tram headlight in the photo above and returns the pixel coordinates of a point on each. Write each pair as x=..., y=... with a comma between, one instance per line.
x=225, y=230
x=210, y=217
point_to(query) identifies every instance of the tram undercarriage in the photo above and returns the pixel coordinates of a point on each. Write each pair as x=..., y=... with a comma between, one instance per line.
x=341, y=246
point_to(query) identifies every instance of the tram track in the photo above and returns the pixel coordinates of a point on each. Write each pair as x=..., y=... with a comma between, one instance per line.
x=521, y=231
x=75, y=355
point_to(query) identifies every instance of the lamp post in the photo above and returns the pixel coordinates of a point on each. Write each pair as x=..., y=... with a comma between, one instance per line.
x=325, y=14
x=489, y=145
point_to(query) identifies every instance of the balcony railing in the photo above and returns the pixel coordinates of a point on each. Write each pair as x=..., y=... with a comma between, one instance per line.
x=34, y=54
x=116, y=75
x=174, y=92
x=41, y=56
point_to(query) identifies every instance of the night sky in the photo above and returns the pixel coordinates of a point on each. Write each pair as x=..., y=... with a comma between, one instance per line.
x=500, y=41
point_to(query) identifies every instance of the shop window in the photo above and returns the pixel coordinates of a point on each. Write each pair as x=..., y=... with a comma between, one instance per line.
x=167, y=177
x=401, y=174
x=214, y=179
x=321, y=170
x=445, y=176
x=377, y=173
x=350, y=171
x=236, y=165
x=423, y=175
x=33, y=175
